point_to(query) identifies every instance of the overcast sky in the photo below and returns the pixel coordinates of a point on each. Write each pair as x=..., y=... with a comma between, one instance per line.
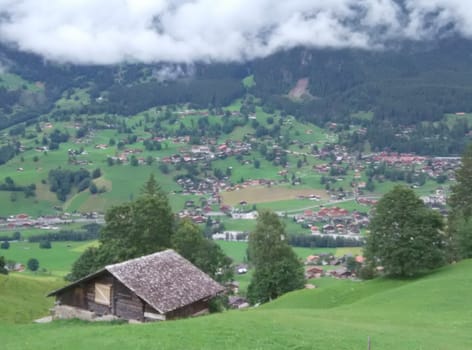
x=184, y=31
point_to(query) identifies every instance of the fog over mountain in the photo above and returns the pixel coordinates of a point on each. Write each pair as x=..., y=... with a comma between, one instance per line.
x=113, y=31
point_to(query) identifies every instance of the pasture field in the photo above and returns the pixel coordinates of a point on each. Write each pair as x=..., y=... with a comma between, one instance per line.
x=28, y=232
x=237, y=251
x=290, y=206
x=248, y=225
x=57, y=260
x=258, y=194
x=350, y=205
x=422, y=313
x=23, y=297
x=11, y=81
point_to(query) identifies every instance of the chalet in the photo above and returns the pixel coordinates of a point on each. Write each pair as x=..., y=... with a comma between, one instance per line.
x=160, y=286
x=341, y=273
x=313, y=272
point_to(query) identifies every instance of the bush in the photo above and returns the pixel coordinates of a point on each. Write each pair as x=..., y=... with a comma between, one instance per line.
x=3, y=269
x=96, y=173
x=366, y=272
x=33, y=264
x=45, y=244
x=5, y=245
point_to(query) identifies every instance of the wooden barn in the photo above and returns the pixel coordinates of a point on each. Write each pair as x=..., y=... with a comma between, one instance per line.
x=159, y=286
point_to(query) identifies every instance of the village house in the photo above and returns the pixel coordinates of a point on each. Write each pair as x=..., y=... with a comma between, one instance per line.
x=313, y=272
x=160, y=286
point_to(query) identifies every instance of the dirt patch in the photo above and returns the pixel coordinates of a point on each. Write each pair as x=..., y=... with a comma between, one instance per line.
x=102, y=182
x=43, y=193
x=300, y=90
x=256, y=195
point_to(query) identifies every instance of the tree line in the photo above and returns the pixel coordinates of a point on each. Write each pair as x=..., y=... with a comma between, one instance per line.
x=87, y=233
x=323, y=241
x=63, y=181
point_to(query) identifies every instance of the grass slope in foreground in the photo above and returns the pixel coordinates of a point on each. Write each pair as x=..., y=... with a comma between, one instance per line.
x=434, y=312
x=22, y=297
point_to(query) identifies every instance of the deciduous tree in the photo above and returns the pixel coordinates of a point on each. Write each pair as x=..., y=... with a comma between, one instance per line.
x=189, y=241
x=405, y=236
x=33, y=264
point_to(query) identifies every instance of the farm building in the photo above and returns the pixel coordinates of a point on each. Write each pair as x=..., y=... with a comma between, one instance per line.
x=159, y=286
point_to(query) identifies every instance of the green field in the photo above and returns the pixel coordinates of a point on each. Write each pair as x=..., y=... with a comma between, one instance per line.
x=433, y=312
x=237, y=251
x=14, y=82
x=23, y=297
x=57, y=261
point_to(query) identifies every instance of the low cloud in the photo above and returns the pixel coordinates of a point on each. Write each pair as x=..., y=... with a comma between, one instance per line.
x=171, y=72
x=187, y=31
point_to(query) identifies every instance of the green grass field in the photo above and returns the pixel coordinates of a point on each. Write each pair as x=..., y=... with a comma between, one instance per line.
x=14, y=82
x=433, y=312
x=237, y=250
x=23, y=297
x=57, y=260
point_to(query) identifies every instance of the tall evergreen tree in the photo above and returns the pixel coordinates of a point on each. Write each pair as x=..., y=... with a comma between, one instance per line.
x=277, y=268
x=405, y=237
x=141, y=227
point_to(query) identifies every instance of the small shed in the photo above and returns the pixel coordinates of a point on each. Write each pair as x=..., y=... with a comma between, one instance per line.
x=159, y=286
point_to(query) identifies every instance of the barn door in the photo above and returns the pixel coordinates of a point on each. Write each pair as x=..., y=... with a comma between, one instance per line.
x=103, y=294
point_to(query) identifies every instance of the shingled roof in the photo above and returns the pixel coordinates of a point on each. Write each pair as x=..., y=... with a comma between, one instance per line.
x=164, y=280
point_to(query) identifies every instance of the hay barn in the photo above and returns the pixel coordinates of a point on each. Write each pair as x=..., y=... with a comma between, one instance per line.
x=159, y=286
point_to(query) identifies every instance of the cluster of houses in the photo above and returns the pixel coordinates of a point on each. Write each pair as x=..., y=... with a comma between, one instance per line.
x=125, y=155
x=334, y=221
x=48, y=221
x=315, y=266
x=205, y=153
x=437, y=200
x=431, y=166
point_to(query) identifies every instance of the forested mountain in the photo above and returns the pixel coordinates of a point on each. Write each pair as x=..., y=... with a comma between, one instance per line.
x=399, y=87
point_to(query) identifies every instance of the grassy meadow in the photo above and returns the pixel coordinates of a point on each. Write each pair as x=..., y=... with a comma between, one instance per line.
x=237, y=251
x=23, y=297
x=56, y=261
x=433, y=312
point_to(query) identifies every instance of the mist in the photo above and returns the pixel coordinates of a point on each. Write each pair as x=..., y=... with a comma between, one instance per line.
x=188, y=31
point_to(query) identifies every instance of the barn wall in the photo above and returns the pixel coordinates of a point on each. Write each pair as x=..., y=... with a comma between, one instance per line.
x=83, y=296
x=197, y=308
x=74, y=297
x=127, y=304
x=99, y=309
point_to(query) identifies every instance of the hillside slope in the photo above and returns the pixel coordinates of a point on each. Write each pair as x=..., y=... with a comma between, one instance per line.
x=434, y=312
x=22, y=298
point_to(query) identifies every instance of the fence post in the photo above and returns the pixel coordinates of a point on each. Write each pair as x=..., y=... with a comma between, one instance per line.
x=368, y=342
